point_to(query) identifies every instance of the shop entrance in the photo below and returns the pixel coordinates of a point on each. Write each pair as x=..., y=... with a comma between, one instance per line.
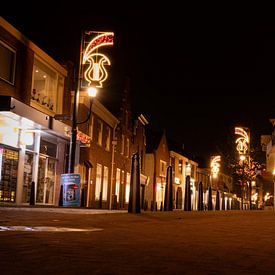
x=46, y=180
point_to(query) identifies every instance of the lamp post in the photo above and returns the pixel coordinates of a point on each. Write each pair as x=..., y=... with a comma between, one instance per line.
x=243, y=149
x=215, y=168
x=90, y=74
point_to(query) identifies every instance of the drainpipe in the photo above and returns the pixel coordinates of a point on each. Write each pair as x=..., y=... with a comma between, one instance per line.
x=114, y=143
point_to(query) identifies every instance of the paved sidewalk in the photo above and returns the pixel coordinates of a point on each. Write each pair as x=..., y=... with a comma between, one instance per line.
x=178, y=242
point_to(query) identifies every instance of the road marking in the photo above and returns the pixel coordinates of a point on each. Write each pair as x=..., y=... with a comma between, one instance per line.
x=47, y=229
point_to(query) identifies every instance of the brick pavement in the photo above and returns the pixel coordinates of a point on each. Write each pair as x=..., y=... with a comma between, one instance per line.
x=178, y=242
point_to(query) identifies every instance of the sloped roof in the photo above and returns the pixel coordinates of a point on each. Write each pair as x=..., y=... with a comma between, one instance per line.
x=153, y=139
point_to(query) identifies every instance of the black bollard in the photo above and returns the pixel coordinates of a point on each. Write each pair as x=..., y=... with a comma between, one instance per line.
x=32, y=194
x=223, y=201
x=60, y=203
x=82, y=201
x=134, y=199
x=152, y=205
x=200, y=197
x=217, y=207
x=209, y=203
x=168, y=199
x=187, y=196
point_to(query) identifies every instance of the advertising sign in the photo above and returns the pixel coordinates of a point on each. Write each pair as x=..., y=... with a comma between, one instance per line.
x=71, y=189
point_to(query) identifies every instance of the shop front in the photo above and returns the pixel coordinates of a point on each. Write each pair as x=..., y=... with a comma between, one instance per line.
x=33, y=148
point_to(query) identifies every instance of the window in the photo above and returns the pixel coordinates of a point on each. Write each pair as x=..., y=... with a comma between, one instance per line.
x=127, y=147
x=108, y=139
x=7, y=63
x=117, y=183
x=105, y=183
x=173, y=161
x=122, y=144
x=180, y=166
x=127, y=188
x=98, y=181
x=100, y=130
x=47, y=87
x=162, y=168
x=192, y=171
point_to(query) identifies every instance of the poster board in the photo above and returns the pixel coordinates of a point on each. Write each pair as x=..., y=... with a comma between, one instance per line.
x=71, y=189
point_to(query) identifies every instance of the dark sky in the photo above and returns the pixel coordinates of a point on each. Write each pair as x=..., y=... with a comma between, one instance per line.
x=195, y=73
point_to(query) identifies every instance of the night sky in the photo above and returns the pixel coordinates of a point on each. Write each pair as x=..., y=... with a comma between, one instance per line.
x=195, y=73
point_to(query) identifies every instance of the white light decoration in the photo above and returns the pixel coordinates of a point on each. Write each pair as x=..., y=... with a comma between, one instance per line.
x=94, y=62
x=215, y=166
x=242, y=141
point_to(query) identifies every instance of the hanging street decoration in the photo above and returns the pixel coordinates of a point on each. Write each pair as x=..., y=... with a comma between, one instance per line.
x=93, y=68
x=215, y=166
x=242, y=141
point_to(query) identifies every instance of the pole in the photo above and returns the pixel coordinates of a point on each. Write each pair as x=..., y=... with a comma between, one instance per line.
x=74, y=132
x=71, y=163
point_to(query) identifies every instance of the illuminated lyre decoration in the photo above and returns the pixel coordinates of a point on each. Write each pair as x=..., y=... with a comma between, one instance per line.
x=215, y=166
x=242, y=141
x=96, y=73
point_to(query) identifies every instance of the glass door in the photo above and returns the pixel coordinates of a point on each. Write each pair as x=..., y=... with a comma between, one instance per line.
x=46, y=180
x=28, y=168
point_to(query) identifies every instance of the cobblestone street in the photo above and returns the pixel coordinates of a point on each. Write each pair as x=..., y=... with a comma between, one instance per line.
x=83, y=241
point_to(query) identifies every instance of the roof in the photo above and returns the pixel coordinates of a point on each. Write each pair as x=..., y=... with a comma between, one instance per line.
x=153, y=139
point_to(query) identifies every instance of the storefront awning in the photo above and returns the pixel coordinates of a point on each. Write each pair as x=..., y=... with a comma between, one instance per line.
x=29, y=118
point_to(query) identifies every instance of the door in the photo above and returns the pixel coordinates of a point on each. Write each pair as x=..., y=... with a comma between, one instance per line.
x=46, y=180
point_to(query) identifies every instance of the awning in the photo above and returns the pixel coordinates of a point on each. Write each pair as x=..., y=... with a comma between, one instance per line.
x=33, y=119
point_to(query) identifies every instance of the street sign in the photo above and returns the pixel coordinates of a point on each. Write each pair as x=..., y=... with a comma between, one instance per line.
x=71, y=189
x=63, y=117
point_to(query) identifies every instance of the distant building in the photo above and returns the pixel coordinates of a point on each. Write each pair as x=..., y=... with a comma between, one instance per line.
x=157, y=160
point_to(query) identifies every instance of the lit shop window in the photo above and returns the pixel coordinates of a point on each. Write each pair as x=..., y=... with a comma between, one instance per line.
x=98, y=181
x=117, y=183
x=127, y=188
x=105, y=183
x=47, y=87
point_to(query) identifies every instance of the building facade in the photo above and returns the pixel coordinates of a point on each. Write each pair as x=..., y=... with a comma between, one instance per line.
x=33, y=145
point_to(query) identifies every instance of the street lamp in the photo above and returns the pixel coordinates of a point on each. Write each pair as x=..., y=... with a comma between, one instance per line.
x=243, y=149
x=90, y=74
x=215, y=168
